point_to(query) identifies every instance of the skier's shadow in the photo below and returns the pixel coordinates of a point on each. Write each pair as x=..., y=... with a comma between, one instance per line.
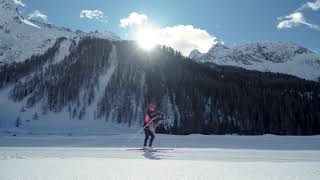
x=151, y=155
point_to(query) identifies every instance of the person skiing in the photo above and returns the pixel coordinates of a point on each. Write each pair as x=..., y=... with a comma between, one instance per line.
x=151, y=117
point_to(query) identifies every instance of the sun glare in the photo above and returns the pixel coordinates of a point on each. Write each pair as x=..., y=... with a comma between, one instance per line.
x=146, y=38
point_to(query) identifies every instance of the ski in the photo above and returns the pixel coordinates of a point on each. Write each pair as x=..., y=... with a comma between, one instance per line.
x=151, y=150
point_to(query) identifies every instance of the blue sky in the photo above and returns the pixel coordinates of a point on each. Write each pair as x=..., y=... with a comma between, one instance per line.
x=234, y=22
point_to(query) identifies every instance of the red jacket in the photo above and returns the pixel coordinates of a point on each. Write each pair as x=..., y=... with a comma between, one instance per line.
x=148, y=118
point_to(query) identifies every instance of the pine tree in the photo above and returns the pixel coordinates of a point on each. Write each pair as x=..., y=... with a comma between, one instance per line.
x=35, y=116
x=18, y=122
x=22, y=109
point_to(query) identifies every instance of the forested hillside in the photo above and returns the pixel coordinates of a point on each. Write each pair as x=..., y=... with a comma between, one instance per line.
x=114, y=81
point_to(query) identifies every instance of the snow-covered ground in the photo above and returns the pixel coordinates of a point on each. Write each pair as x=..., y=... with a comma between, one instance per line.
x=112, y=157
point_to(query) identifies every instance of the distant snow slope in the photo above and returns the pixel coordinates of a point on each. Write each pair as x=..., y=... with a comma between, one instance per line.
x=21, y=38
x=287, y=58
x=125, y=137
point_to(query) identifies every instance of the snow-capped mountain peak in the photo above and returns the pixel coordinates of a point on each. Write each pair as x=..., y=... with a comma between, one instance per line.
x=218, y=46
x=16, y=33
x=10, y=12
x=282, y=57
x=194, y=54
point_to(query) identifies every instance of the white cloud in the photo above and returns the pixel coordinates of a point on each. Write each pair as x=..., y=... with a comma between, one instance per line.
x=297, y=17
x=183, y=38
x=293, y=20
x=314, y=5
x=38, y=15
x=133, y=19
x=91, y=14
x=186, y=38
x=94, y=15
x=311, y=5
x=19, y=3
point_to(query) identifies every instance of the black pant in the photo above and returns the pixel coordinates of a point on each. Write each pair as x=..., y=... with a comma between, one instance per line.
x=148, y=133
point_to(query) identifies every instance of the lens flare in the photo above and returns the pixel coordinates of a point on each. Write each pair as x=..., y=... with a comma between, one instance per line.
x=146, y=37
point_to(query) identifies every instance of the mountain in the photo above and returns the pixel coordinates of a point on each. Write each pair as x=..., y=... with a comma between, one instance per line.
x=278, y=57
x=89, y=82
x=21, y=38
x=195, y=54
x=113, y=81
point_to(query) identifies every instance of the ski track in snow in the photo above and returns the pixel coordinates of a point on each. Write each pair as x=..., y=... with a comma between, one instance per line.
x=201, y=157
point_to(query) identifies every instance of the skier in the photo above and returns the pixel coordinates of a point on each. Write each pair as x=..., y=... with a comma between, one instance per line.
x=151, y=116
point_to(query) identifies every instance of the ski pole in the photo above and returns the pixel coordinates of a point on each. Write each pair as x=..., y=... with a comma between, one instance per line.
x=140, y=131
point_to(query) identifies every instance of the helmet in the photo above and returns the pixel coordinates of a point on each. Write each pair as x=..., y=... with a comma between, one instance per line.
x=151, y=107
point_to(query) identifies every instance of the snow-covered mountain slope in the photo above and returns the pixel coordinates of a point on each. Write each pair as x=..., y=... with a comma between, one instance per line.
x=21, y=38
x=84, y=84
x=279, y=57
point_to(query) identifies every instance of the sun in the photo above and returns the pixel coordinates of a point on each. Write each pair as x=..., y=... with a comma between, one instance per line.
x=146, y=37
